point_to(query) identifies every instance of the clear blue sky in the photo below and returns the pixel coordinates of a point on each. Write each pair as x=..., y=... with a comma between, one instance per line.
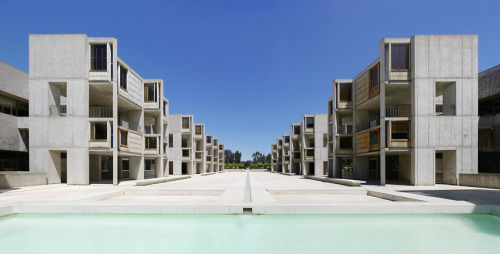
x=265, y=62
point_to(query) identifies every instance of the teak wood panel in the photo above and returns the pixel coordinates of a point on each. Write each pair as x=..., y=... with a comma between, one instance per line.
x=363, y=142
x=362, y=88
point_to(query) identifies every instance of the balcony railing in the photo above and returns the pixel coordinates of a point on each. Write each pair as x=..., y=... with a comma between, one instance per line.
x=101, y=112
x=344, y=129
x=397, y=111
x=445, y=110
x=58, y=110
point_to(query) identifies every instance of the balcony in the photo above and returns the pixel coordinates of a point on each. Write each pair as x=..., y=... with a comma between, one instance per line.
x=445, y=110
x=397, y=111
x=309, y=153
x=151, y=145
x=344, y=145
x=101, y=112
x=399, y=134
x=58, y=110
x=344, y=129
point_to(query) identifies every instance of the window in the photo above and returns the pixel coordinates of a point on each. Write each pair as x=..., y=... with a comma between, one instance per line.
x=165, y=108
x=287, y=139
x=209, y=139
x=185, y=153
x=149, y=164
x=296, y=129
x=98, y=131
x=280, y=142
x=400, y=57
x=123, y=138
x=345, y=93
x=198, y=130
x=309, y=122
x=170, y=140
x=309, y=153
x=345, y=142
x=330, y=107
x=185, y=122
x=374, y=77
x=150, y=92
x=123, y=77
x=98, y=59
x=296, y=155
x=374, y=138
x=151, y=143
x=400, y=130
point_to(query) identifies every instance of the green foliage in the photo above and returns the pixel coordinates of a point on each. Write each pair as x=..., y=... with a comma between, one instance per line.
x=348, y=167
x=234, y=165
x=263, y=165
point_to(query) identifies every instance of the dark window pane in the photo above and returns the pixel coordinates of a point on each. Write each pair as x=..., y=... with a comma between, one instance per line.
x=123, y=77
x=400, y=55
x=287, y=139
x=346, y=143
x=345, y=92
x=309, y=122
x=296, y=129
x=99, y=57
x=374, y=77
x=374, y=138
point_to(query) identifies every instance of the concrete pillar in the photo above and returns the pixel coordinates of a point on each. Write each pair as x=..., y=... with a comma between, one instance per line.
x=382, y=134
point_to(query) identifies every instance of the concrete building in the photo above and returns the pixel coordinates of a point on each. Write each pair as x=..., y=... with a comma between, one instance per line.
x=14, y=121
x=274, y=157
x=295, y=148
x=414, y=113
x=92, y=111
x=489, y=121
x=314, y=143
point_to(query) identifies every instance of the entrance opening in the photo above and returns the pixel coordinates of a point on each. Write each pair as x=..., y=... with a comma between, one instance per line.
x=325, y=167
x=184, y=168
x=446, y=167
x=373, y=169
x=392, y=167
x=170, y=168
x=107, y=167
x=64, y=168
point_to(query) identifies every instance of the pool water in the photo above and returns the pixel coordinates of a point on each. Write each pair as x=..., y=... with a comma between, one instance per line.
x=95, y=233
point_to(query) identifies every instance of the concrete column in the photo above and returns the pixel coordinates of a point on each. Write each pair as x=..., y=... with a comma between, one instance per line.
x=115, y=133
x=382, y=134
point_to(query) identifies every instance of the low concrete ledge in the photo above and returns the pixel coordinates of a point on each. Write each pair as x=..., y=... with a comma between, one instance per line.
x=483, y=180
x=391, y=197
x=9, y=179
x=5, y=210
x=287, y=174
x=207, y=174
x=159, y=180
x=348, y=182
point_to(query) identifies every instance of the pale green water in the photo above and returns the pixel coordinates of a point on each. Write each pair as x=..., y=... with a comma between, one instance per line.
x=93, y=233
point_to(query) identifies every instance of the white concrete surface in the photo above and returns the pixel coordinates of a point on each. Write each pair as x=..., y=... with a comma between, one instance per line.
x=227, y=193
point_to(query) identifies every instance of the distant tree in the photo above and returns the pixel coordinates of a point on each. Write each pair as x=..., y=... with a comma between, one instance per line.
x=237, y=157
x=229, y=156
x=258, y=158
x=247, y=164
x=268, y=158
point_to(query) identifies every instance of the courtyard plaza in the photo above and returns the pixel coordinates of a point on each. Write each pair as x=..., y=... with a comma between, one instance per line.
x=258, y=192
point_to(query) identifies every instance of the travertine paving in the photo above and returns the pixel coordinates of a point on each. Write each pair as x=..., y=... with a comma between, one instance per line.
x=263, y=192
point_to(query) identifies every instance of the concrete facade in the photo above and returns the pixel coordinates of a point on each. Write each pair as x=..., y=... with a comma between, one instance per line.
x=93, y=118
x=14, y=108
x=412, y=113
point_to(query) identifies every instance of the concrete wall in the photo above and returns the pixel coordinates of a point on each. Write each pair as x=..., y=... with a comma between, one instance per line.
x=14, y=81
x=489, y=82
x=10, y=179
x=480, y=180
x=10, y=137
x=69, y=57
x=443, y=58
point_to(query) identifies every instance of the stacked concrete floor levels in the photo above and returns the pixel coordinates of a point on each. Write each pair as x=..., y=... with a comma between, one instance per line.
x=93, y=118
x=411, y=116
